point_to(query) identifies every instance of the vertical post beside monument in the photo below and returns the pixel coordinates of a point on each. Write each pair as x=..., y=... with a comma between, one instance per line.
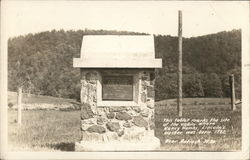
x=232, y=91
x=19, y=105
x=179, y=99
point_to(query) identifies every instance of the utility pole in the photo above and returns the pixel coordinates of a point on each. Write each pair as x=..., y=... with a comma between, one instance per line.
x=179, y=99
x=232, y=90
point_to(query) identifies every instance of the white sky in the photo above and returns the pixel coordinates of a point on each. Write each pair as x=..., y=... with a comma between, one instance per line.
x=154, y=17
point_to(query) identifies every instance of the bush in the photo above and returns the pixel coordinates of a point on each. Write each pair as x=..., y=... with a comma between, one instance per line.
x=192, y=86
x=212, y=85
x=166, y=87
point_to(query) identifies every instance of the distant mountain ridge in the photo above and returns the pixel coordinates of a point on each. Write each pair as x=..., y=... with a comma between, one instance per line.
x=46, y=61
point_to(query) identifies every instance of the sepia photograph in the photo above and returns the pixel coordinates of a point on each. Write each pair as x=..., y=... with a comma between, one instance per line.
x=95, y=79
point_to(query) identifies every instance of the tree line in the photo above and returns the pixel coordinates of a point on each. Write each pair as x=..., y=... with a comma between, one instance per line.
x=46, y=61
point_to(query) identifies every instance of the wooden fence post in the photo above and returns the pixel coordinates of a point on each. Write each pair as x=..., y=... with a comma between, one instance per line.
x=232, y=90
x=19, y=105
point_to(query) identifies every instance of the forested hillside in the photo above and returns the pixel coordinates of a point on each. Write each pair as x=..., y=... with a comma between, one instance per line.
x=46, y=63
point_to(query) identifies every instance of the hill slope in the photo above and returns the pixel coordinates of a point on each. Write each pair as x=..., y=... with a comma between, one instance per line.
x=46, y=63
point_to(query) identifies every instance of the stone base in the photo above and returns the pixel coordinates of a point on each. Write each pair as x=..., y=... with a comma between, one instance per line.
x=147, y=143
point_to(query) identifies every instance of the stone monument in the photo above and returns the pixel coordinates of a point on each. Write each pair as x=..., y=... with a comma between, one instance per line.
x=117, y=93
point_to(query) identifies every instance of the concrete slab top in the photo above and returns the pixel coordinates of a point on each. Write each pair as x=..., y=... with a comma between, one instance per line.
x=117, y=51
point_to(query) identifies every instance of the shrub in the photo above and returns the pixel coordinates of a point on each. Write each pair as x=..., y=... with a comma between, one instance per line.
x=212, y=85
x=192, y=86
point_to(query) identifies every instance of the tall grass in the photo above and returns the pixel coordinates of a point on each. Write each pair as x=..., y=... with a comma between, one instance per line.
x=231, y=141
x=44, y=130
x=55, y=130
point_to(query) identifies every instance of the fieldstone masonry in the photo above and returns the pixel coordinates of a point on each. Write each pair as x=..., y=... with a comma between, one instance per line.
x=109, y=123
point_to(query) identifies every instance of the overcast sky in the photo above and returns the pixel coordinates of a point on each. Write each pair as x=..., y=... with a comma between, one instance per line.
x=154, y=17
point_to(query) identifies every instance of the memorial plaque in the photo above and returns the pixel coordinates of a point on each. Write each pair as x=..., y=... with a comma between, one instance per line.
x=117, y=88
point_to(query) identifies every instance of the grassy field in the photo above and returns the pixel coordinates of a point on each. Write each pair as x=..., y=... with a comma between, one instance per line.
x=44, y=130
x=231, y=141
x=12, y=98
x=56, y=130
x=35, y=102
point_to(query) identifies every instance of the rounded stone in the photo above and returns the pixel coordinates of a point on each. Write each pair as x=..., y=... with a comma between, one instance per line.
x=140, y=122
x=127, y=124
x=132, y=112
x=110, y=115
x=113, y=126
x=120, y=133
x=101, y=112
x=84, y=127
x=94, y=98
x=150, y=105
x=100, y=120
x=117, y=108
x=123, y=116
x=150, y=92
x=143, y=97
x=137, y=109
x=90, y=121
x=96, y=129
x=145, y=112
x=86, y=111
